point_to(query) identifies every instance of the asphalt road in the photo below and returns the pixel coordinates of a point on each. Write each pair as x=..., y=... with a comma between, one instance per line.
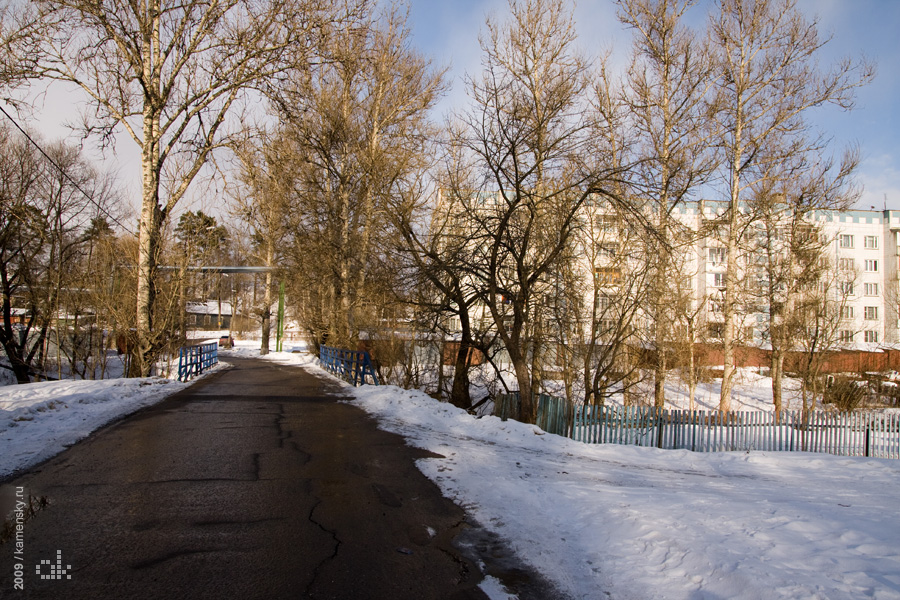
x=256, y=482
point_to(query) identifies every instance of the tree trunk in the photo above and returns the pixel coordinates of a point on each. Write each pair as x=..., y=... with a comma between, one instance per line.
x=692, y=377
x=148, y=241
x=266, y=316
x=459, y=393
x=151, y=215
x=527, y=412
x=659, y=380
x=19, y=367
x=729, y=338
x=777, y=381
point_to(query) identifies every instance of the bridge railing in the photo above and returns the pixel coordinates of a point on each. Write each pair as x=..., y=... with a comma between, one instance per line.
x=351, y=365
x=194, y=360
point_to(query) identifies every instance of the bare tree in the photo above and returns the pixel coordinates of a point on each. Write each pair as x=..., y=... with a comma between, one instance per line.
x=792, y=247
x=767, y=80
x=435, y=244
x=666, y=98
x=169, y=75
x=263, y=200
x=46, y=205
x=357, y=148
x=531, y=132
x=619, y=288
x=818, y=319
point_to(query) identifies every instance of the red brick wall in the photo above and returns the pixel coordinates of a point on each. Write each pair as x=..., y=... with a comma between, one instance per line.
x=843, y=361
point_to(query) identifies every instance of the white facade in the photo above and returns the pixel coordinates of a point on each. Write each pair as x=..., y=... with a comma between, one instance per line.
x=866, y=242
x=864, y=245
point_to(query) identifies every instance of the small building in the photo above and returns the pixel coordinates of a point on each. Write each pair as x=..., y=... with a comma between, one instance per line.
x=211, y=314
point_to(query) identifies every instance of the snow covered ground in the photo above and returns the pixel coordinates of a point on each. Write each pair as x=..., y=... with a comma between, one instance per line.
x=599, y=521
x=640, y=523
x=40, y=420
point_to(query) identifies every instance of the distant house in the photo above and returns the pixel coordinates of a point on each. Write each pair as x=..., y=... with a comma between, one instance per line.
x=209, y=315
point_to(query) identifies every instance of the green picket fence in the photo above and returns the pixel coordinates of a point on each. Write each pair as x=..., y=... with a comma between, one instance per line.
x=843, y=434
x=554, y=415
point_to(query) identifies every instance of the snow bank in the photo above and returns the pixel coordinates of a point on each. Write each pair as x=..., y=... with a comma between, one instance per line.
x=644, y=523
x=39, y=420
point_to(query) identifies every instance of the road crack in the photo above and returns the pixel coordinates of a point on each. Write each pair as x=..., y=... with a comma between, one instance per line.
x=327, y=559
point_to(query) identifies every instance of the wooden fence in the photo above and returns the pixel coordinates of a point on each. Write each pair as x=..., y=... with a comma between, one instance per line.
x=844, y=434
x=351, y=365
x=554, y=415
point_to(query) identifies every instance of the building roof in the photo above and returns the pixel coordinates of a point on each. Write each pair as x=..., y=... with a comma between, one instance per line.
x=210, y=307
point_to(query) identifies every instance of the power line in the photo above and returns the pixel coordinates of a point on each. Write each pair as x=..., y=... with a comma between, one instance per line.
x=64, y=173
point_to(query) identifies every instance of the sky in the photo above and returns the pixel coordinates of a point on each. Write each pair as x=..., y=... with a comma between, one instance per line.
x=448, y=30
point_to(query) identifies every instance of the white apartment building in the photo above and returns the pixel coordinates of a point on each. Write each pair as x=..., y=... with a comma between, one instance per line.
x=864, y=246
x=866, y=242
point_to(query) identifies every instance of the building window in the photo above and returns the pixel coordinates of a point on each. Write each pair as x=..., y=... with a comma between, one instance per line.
x=716, y=306
x=871, y=289
x=717, y=256
x=871, y=266
x=846, y=312
x=846, y=241
x=606, y=275
x=607, y=222
x=605, y=327
x=870, y=313
x=871, y=242
x=846, y=288
x=846, y=264
x=719, y=280
x=845, y=336
x=716, y=330
x=871, y=337
x=604, y=302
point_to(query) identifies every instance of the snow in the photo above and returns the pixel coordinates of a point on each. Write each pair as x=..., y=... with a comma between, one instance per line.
x=644, y=523
x=599, y=521
x=40, y=420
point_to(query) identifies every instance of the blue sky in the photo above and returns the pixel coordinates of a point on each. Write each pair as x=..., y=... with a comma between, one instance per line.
x=447, y=30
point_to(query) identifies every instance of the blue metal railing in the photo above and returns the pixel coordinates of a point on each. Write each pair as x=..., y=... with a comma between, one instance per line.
x=193, y=360
x=351, y=365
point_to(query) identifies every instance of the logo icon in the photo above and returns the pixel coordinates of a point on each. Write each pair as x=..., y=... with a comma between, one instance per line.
x=56, y=571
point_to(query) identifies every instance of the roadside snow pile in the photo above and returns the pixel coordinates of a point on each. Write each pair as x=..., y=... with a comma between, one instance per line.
x=39, y=420
x=641, y=523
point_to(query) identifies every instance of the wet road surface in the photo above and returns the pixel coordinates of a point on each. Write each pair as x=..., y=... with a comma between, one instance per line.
x=256, y=482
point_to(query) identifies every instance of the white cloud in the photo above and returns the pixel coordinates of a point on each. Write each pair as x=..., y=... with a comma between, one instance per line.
x=880, y=178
